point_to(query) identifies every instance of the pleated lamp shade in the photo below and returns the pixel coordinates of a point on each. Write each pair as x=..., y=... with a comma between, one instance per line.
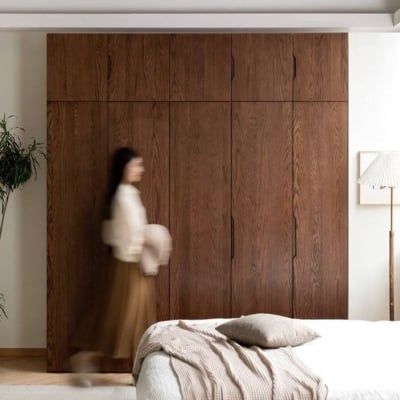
x=383, y=172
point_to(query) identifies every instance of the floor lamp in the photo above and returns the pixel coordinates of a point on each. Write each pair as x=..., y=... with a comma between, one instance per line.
x=384, y=172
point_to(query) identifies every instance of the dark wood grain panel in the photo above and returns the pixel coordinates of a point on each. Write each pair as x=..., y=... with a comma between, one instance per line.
x=57, y=317
x=77, y=172
x=76, y=67
x=197, y=197
x=320, y=206
x=139, y=67
x=145, y=126
x=321, y=67
x=262, y=208
x=200, y=67
x=200, y=209
x=263, y=67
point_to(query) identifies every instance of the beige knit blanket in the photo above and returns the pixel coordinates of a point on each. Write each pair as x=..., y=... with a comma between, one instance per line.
x=211, y=367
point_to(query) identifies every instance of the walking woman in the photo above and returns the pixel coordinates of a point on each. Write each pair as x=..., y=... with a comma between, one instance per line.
x=130, y=306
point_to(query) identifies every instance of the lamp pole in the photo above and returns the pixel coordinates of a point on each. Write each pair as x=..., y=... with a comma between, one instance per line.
x=391, y=259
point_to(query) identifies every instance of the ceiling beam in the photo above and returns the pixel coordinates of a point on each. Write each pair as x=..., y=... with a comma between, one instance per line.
x=198, y=22
x=203, y=6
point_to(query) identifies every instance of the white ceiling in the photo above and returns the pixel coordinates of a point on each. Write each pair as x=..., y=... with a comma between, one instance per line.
x=266, y=6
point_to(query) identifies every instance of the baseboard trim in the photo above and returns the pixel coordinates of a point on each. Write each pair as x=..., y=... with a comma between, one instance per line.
x=22, y=352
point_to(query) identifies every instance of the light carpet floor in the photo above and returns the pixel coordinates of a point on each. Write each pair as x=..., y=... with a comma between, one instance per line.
x=62, y=392
x=25, y=378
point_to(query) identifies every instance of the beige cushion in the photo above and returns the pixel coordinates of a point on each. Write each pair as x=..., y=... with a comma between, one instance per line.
x=267, y=330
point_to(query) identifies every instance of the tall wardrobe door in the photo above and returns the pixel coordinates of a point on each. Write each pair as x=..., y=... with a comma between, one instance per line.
x=262, y=208
x=76, y=67
x=321, y=67
x=200, y=67
x=200, y=209
x=145, y=127
x=77, y=174
x=139, y=67
x=263, y=67
x=320, y=207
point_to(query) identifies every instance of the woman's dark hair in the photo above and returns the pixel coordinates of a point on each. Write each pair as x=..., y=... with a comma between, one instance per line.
x=120, y=158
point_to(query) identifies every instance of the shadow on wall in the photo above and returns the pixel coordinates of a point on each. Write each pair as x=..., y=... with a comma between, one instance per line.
x=31, y=238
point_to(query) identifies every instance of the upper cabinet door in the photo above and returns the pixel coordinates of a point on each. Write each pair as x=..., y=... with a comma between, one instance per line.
x=321, y=67
x=76, y=67
x=200, y=210
x=262, y=208
x=263, y=67
x=200, y=67
x=139, y=67
x=320, y=265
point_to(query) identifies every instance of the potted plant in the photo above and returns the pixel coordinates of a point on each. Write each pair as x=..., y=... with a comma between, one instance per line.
x=17, y=164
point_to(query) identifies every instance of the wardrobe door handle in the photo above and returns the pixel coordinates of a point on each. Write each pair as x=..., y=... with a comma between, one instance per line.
x=109, y=66
x=295, y=237
x=294, y=67
x=232, y=238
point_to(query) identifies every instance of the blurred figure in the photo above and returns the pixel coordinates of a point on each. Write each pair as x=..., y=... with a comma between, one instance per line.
x=139, y=249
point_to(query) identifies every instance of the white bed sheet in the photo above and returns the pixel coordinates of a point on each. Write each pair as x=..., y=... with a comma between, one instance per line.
x=358, y=360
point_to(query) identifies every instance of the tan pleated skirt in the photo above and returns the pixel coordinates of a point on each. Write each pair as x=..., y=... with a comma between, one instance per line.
x=127, y=311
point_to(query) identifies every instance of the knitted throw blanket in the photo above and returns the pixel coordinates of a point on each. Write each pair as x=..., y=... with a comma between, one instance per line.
x=209, y=366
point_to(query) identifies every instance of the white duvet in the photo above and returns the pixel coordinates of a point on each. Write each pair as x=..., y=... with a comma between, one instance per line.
x=357, y=360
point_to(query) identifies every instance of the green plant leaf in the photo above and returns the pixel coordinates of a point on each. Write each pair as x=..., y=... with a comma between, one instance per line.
x=17, y=162
x=3, y=312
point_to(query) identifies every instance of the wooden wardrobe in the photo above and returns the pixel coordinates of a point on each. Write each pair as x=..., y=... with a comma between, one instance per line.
x=244, y=139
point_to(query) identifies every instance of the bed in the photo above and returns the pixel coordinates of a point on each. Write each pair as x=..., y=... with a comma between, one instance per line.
x=355, y=359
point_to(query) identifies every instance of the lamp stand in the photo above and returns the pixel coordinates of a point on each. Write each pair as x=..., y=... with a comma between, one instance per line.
x=391, y=259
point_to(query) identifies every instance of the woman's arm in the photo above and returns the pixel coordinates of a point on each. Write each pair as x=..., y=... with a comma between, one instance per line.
x=129, y=227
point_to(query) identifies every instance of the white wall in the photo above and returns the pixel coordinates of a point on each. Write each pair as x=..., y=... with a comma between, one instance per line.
x=23, y=245
x=373, y=125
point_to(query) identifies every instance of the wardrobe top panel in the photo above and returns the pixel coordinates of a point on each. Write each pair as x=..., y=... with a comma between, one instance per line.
x=200, y=67
x=76, y=67
x=263, y=67
x=321, y=67
x=197, y=67
x=139, y=67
